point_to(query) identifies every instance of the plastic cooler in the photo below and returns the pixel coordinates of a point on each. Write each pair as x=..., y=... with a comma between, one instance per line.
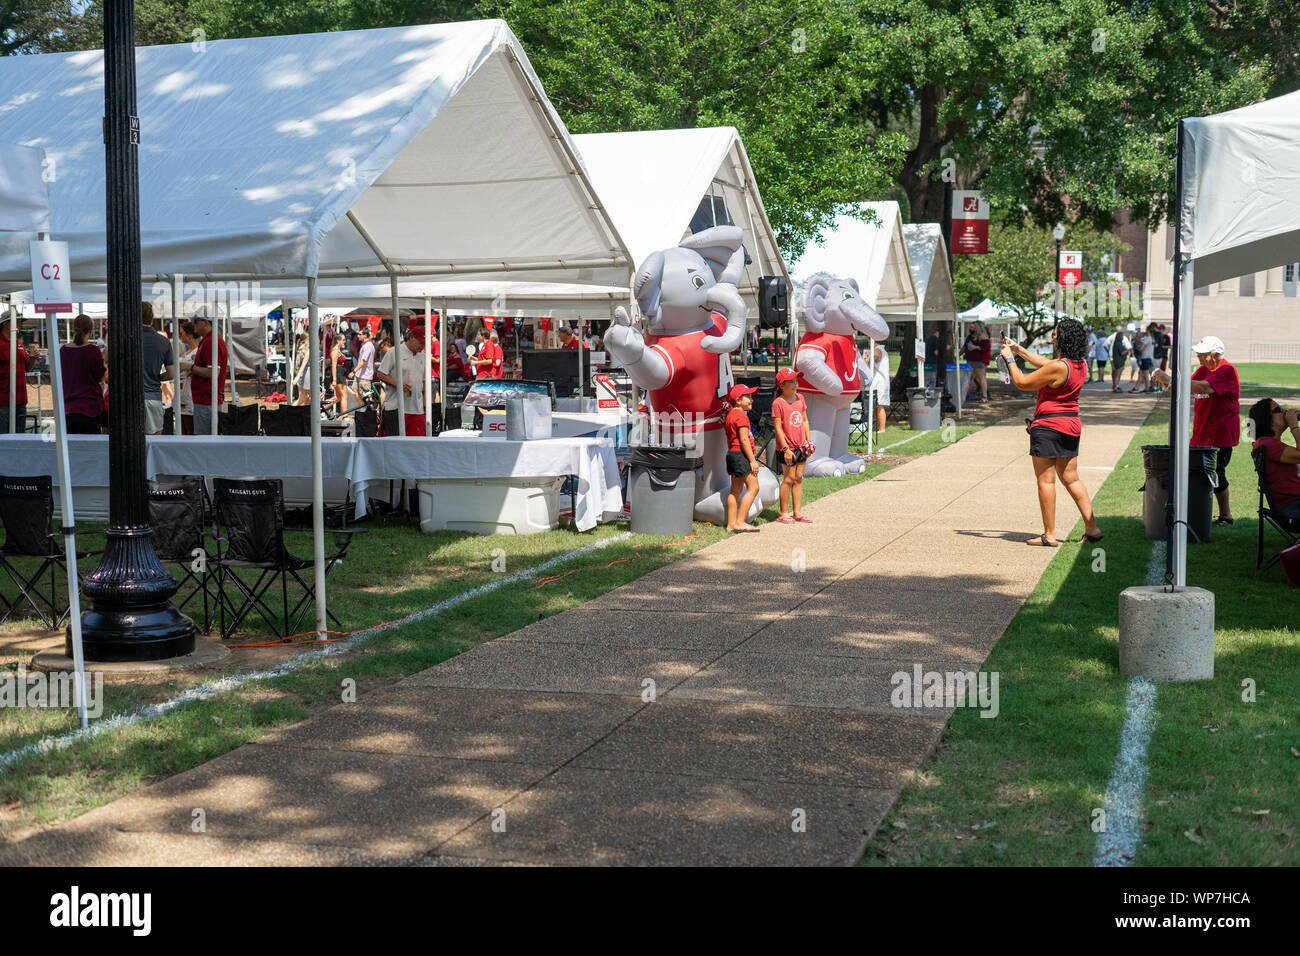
x=490, y=505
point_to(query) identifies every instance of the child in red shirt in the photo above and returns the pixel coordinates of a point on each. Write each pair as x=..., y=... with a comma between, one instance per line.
x=790, y=415
x=742, y=466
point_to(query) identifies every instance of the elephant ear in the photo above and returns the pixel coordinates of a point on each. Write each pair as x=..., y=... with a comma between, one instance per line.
x=647, y=286
x=854, y=284
x=721, y=247
x=815, y=292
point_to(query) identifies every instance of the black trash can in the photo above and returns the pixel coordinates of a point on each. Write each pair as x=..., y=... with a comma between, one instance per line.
x=1201, y=483
x=660, y=490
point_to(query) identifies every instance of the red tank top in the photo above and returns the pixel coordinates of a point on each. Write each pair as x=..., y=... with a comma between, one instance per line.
x=1063, y=399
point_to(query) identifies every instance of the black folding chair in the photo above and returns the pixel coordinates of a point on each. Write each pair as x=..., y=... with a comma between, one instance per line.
x=287, y=421
x=1289, y=528
x=240, y=420
x=27, y=511
x=180, y=537
x=250, y=524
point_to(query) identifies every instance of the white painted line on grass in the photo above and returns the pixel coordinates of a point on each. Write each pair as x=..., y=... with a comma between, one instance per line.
x=1117, y=845
x=214, y=688
x=880, y=451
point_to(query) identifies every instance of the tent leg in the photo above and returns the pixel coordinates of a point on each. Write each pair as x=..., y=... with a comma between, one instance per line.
x=428, y=353
x=317, y=470
x=442, y=364
x=176, y=356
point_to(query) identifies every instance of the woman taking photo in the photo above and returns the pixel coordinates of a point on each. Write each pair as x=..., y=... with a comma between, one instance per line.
x=1055, y=428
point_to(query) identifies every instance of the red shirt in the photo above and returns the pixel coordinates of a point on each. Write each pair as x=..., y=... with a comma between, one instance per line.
x=841, y=354
x=698, y=380
x=492, y=351
x=201, y=388
x=794, y=421
x=20, y=377
x=736, y=419
x=1283, y=479
x=1063, y=399
x=1216, y=419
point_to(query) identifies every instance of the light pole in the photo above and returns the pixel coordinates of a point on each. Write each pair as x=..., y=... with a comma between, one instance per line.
x=131, y=617
x=1058, y=233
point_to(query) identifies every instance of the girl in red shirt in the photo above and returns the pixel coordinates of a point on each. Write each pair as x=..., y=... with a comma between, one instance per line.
x=742, y=465
x=790, y=415
x=1055, y=428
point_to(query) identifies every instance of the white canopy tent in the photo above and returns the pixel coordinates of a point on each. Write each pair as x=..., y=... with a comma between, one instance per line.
x=988, y=311
x=1238, y=212
x=428, y=150
x=873, y=253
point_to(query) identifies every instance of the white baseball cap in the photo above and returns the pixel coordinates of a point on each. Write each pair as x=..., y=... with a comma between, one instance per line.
x=1211, y=343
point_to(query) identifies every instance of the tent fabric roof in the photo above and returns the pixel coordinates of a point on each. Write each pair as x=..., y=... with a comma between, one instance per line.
x=987, y=311
x=928, y=256
x=24, y=193
x=337, y=152
x=876, y=255
x=1241, y=189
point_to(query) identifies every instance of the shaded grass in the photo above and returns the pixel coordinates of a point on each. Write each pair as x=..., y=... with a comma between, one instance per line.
x=1021, y=788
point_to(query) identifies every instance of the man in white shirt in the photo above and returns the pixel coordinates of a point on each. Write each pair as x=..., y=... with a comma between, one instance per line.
x=1101, y=355
x=880, y=384
x=1089, y=349
x=363, y=374
x=1146, y=352
x=415, y=372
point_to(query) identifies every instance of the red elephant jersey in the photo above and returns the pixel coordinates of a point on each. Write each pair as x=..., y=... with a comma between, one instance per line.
x=841, y=354
x=698, y=381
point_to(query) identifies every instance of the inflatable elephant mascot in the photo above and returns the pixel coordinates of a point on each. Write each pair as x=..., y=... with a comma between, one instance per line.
x=831, y=371
x=694, y=318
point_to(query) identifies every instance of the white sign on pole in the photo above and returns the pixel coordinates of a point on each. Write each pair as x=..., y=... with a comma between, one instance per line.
x=51, y=280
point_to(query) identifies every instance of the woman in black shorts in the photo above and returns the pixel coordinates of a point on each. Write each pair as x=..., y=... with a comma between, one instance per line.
x=1055, y=429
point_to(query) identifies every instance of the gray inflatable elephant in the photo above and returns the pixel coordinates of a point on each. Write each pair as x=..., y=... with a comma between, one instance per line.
x=831, y=370
x=694, y=318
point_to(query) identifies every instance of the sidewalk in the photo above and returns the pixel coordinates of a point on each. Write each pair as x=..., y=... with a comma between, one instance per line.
x=726, y=709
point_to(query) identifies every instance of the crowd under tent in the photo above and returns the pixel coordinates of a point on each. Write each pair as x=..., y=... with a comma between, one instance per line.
x=429, y=150
x=1238, y=212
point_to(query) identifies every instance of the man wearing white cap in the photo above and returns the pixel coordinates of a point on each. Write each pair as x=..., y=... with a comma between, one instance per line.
x=1216, y=414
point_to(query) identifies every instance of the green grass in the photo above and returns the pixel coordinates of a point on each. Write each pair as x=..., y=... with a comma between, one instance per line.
x=1021, y=788
x=1268, y=374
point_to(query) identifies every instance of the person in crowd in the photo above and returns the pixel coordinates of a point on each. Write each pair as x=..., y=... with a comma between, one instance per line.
x=302, y=370
x=211, y=354
x=1216, y=412
x=880, y=384
x=22, y=364
x=1163, y=341
x=568, y=340
x=1055, y=429
x=1120, y=346
x=1145, y=353
x=742, y=464
x=933, y=354
x=82, y=365
x=978, y=350
x=461, y=345
x=1281, y=461
x=1101, y=354
x=362, y=375
x=1089, y=348
x=157, y=363
x=415, y=369
x=189, y=346
x=488, y=360
x=790, y=416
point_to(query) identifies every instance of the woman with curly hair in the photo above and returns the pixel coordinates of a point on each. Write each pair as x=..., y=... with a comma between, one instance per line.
x=1055, y=428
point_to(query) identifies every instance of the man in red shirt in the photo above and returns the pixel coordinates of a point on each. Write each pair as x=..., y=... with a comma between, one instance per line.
x=568, y=340
x=1216, y=412
x=201, y=379
x=20, y=382
x=489, y=359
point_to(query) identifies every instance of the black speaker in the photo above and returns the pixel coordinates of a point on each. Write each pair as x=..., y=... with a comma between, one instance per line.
x=773, y=302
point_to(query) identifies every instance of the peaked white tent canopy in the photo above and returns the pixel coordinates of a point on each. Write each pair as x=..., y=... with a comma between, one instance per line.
x=359, y=153
x=24, y=193
x=873, y=253
x=1238, y=212
x=927, y=256
x=987, y=311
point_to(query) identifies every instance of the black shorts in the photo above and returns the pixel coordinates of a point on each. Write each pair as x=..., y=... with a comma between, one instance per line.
x=800, y=456
x=1146, y=365
x=1221, y=467
x=738, y=465
x=1049, y=443
x=1101, y=364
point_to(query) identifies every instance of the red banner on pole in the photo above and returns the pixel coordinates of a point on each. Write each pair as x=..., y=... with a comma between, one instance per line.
x=970, y=223
x=1070, y=269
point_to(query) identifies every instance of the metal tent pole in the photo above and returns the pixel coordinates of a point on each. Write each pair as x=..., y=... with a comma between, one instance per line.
x=399, y=342
x=428, y=355
x=176, y=359
x=13, y=369
x=317, y=470
x=1180, y=411
x=442, y=363
x=871, y=401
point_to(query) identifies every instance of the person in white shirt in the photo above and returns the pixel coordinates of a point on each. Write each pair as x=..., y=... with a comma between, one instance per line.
x=880, y=384
x=363, y=372
x=415, y=371
x=1120, y=347
x=1146, y=358
x=1089, y=349
x=1101, y=354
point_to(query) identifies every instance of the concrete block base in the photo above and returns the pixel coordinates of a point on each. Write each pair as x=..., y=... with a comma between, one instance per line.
x=1166, y=635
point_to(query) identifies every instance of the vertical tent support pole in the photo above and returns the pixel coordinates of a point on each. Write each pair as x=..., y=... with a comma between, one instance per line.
x=582, y=347
x=214, y=363
x=442, y=363
x=1180, y=411
x=871, y=401
x=317, y=471
x=13, y=368
x=176, y=359
x=399, y=343
x=428, y=355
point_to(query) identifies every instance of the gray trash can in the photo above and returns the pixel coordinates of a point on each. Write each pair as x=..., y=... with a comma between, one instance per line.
x=1201, y=483
x=923, y=405
x=660, y=490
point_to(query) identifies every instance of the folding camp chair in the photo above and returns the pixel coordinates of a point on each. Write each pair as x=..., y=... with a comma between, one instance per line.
x=27, y=511
x=287, y=421
x=1288, y=527
x=180, y=538
x=250, y=523
x=859, y=422
x=240, y=420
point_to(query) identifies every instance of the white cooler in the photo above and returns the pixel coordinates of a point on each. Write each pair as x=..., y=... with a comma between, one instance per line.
x=490, y=505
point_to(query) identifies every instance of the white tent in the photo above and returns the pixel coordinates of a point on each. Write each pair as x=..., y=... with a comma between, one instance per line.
x=873, y=253
x=1238, y=212
x=988, y=311
x=928, y=257
x=24, y=192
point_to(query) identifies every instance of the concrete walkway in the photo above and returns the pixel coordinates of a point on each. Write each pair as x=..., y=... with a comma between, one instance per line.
x=726, y=709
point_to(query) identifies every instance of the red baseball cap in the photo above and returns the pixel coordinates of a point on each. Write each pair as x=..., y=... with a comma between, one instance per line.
x=739, y=390
x=786, y=375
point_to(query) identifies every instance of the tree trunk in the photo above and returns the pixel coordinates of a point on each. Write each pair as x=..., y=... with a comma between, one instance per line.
x=924, y=187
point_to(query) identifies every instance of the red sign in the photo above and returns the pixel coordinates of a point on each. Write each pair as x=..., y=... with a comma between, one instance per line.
x=970, y=223
x=1070, y=269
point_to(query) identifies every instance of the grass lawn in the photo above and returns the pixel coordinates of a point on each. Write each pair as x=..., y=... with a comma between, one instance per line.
x=1268, y=374
x=1020, y=789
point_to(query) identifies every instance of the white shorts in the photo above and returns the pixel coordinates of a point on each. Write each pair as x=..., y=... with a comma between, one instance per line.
x=154, y=409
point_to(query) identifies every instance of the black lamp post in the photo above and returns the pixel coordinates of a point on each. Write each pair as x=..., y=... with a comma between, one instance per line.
x=131, y=617
x=1058, y=233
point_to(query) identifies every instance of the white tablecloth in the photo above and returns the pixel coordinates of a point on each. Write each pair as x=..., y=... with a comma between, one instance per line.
x=361, y=460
